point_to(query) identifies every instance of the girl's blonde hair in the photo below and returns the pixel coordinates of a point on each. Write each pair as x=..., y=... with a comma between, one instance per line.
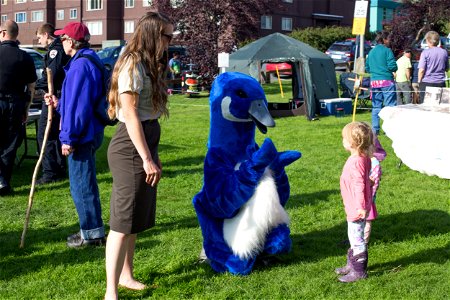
x=360, y=137
x=146, y=47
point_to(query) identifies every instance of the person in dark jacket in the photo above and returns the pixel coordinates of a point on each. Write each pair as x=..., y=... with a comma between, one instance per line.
x=53, y=163
x=17, y=81
x=381, y=65
x=81, y=132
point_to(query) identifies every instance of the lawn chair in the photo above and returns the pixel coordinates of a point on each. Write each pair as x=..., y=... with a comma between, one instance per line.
x=347, y=87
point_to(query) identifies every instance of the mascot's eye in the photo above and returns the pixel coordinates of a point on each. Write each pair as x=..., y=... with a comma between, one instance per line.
x=241, y=94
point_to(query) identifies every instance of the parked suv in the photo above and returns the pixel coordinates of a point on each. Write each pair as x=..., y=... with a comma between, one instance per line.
x=443, y=43
x=109, y=56
x=38, y=60
x=344, y=52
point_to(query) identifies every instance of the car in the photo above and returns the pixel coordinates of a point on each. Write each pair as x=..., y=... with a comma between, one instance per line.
x=284, y=69
x=369, y=43
x=38, y=60
x=443, y=43
x=109, y=56
x=344, y=52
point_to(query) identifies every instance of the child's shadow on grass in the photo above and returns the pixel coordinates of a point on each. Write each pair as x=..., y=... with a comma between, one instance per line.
x=316, y=245
x=437, y=256
x=300, y=200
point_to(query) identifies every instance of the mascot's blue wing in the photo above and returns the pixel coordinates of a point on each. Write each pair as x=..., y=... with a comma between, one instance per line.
x=225, y=189
x=278, y=168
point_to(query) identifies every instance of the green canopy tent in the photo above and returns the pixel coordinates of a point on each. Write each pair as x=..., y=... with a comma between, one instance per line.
x=313, y=74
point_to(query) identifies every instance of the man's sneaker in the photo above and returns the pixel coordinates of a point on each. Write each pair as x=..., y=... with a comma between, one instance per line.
x=76, y=241
x=5, y=188
x=44, y=180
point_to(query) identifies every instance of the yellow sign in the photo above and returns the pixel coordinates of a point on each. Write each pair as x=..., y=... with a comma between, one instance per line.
x=359, y=26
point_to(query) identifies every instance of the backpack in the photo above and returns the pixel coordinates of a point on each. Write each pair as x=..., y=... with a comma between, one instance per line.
x=102, y=104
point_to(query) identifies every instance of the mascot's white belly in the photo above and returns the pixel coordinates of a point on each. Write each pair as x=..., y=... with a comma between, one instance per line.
x=246, y=233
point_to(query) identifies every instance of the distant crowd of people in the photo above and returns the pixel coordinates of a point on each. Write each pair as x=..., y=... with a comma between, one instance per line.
x=402, y=81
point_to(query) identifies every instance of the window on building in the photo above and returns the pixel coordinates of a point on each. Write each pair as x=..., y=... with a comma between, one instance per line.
x=128, y=27
x=4, y=2
x=60, y=14
x=37, y=16
x=95, y=28
x=286, y=24
x=4, y=18
x=147, y=3
x=37, y=0
x=21, y=17
x=389, y=14
x=266, y=22
x=94, y=4
x=73, y=13
x=288, y=1
x=21, y=1
x=129, y=3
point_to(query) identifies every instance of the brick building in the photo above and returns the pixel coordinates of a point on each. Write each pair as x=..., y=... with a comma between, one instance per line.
x=308, y=13
x=115, y=19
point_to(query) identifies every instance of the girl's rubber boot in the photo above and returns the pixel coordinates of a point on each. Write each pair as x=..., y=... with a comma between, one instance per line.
x=359, y=268
x=348, y=267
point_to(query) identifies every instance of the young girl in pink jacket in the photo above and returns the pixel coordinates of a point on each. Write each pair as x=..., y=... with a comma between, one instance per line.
x=356, y=194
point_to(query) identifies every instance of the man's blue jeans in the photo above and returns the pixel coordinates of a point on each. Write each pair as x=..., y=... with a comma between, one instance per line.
x=384, y=96
x=84, y=188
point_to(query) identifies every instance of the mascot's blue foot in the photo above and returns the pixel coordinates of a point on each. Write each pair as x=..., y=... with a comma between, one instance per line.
x=234, y=265
x=278, y=240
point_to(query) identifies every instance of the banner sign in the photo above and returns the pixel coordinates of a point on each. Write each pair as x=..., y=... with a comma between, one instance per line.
x=359, y=17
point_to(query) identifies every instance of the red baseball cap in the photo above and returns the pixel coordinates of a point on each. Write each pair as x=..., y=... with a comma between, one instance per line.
x=75, y=30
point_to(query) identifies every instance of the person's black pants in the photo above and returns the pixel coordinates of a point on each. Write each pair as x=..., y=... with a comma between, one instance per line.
x=423, y=86
x=53, y=162
x=12, y=111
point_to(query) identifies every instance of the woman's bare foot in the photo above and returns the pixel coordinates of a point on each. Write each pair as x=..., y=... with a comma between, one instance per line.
x=132, y=284
x=110, y=296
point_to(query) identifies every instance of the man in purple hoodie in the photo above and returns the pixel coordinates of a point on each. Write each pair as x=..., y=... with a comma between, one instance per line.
x=81, y=132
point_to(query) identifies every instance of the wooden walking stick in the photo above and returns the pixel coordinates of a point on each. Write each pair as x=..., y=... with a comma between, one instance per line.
x=41, y=156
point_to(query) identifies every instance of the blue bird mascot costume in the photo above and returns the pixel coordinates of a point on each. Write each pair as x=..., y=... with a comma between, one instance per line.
x=241, y=205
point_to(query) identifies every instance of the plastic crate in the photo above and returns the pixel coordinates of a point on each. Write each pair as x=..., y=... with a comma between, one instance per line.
x=328, y=106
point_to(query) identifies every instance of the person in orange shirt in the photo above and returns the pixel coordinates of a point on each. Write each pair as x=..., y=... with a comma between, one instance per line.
x=356, y=191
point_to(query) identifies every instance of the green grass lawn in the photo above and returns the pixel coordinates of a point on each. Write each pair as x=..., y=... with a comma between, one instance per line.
x=409, y=249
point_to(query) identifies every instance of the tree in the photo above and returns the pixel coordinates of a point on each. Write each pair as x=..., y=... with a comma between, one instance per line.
x=208, y=27
x=415, y=18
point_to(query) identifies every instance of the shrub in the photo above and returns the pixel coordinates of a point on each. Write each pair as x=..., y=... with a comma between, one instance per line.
x=322, y=38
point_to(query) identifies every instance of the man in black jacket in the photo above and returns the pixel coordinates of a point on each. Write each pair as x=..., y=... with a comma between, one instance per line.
x=17, y=80
x=53, y=163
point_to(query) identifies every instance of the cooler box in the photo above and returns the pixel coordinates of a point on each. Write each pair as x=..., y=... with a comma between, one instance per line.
x=328, y=106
